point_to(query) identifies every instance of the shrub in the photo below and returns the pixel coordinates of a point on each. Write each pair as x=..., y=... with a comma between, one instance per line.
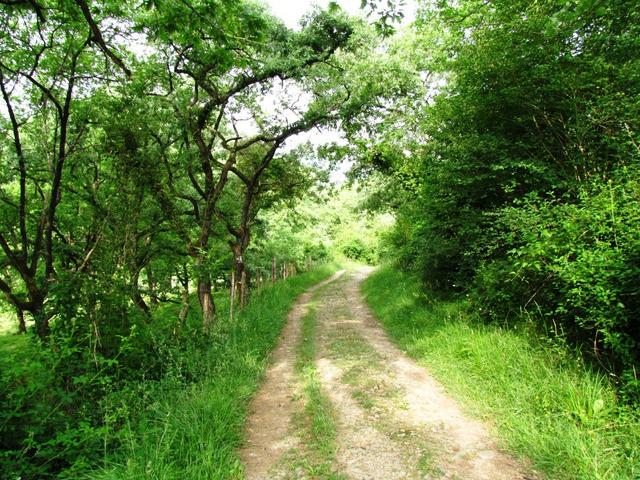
x=576, y=268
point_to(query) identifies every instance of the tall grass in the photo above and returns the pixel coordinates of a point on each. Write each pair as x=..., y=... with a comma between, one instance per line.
x=193, y=433
x=543, y=402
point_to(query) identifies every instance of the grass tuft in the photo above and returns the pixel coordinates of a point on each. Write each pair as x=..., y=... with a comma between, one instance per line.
x=316, y=424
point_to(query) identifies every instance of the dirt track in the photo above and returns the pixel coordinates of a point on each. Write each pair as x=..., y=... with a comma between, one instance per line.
x=393, y=420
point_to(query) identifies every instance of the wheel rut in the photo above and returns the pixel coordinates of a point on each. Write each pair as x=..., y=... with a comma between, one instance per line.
x=269, y=432
x=392, y=419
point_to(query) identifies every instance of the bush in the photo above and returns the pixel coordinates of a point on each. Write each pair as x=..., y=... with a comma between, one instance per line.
x=575, y=267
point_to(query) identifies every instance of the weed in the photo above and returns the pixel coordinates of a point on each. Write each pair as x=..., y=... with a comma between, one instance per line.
x=194, y=432
x=317, y=423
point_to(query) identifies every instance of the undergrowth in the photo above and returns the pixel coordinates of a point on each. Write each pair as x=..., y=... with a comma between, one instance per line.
x=170, y=405
x=545, y=403
x=192, y=432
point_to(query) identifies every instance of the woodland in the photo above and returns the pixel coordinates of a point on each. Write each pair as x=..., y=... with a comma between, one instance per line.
x=158, y=214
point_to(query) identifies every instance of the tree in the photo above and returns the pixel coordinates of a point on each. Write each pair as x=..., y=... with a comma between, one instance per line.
x=46, y=72
x=214, y=78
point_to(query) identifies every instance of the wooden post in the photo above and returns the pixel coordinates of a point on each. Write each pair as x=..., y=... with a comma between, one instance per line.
x=243, y=289
x=273, y=270
x=232, y=294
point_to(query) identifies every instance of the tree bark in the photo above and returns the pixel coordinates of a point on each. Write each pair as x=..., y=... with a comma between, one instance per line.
x=153, y=286
x=22, y=326
x=184, y=311
x=239, y=268
x=42, y=324
x=206, y=301
x=136, y=296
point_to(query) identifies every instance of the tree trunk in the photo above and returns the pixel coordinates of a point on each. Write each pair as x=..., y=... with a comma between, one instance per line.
x=42, y=324
x=153, y=286
x=240, y=288
x=232, y=294
x=206, y=301
x=22, y=326
x=184, y=311
x=136, y=296
x=36, y=308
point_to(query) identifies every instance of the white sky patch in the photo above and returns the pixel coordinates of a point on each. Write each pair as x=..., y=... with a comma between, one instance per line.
x=291, y=12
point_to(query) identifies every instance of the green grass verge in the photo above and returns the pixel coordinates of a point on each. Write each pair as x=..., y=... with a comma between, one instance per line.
x=545, y=404
x=193, y=433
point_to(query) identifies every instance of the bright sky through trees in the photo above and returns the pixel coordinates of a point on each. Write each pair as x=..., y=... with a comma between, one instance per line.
x=290, y=11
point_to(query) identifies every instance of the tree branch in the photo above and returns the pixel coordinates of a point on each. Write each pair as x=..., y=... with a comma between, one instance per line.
x=98, y=39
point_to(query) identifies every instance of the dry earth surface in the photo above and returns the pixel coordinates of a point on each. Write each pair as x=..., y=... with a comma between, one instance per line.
x=392, y=420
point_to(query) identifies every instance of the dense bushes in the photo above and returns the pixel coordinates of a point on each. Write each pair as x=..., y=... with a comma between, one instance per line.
x=57, y=412
x=524, y=187
x=575, y=267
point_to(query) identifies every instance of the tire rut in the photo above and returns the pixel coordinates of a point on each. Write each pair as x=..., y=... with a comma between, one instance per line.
x=268, y=431
x=393, y=420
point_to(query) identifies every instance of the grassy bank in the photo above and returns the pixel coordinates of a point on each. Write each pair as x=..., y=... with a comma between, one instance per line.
x=192, y=433
x=544, y=403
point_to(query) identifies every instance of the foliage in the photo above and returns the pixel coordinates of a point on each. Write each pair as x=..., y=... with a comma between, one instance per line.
x=333, y=224
x=517, y=178
x=494, y=149
x=126, y=176
x=192, y=428
x=159, y=381
x=573, y=267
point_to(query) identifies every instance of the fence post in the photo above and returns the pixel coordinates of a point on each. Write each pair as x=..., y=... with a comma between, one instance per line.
x=273, y=270
x=232, y=294
x=243, y=289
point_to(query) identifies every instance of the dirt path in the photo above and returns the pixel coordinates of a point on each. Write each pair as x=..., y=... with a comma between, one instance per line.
x=269, y=432
x=392, y=419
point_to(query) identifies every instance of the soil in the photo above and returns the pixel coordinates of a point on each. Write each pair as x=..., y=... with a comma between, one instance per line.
x=393, y=420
